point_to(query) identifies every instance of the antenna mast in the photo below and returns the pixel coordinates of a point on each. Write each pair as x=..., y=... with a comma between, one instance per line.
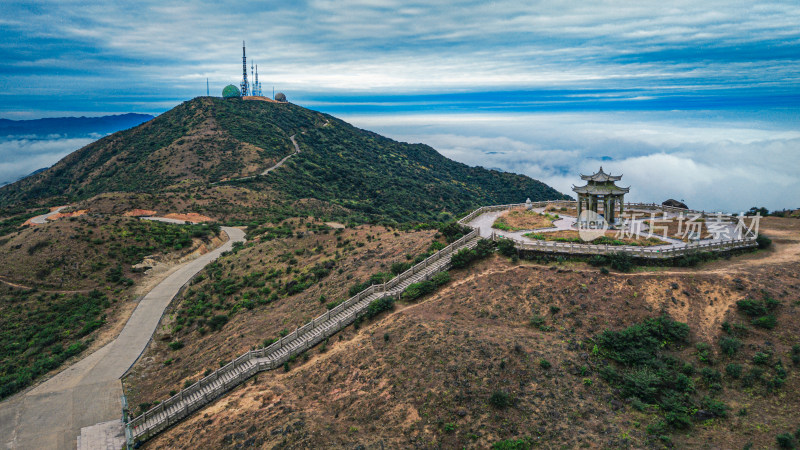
x=207, y=91
x=257, y=85
x=245, y=85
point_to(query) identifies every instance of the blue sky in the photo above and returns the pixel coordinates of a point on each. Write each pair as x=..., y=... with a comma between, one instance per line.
x=613, y=80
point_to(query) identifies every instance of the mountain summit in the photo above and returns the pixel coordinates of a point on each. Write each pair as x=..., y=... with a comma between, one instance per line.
x=207, y=142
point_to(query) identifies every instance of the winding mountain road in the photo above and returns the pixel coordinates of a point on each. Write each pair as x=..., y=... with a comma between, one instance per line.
x=51, y=415
x=280, y=163
x=39, y=220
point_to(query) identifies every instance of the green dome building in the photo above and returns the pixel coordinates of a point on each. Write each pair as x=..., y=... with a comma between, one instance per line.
x=231, y=91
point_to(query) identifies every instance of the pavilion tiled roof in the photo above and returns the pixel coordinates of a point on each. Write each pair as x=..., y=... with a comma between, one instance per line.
x=601, y=177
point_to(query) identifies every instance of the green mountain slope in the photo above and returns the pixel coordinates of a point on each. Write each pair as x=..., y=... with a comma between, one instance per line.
x=211, y=140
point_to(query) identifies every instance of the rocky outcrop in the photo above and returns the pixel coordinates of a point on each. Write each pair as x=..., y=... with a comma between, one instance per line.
x=675, y=204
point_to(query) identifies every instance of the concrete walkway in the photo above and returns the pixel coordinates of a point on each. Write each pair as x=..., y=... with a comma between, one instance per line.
x=51, y=415
x=485, y=221
x=39, y=220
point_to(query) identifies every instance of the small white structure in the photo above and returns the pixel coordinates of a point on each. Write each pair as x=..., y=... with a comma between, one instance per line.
x=528, y=205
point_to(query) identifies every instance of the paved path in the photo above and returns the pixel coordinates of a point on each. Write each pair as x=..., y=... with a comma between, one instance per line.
x=39, y=220
x=51, y=415
x=485, y=221
x=280, y=163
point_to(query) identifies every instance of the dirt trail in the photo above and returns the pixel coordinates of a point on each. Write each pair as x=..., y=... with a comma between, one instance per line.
x=280, y=163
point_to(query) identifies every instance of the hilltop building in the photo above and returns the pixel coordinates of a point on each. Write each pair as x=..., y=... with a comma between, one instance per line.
x=231, y=91
x=601, y=189
x=249, y=89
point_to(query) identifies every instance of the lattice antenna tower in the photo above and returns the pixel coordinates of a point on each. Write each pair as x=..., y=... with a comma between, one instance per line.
x=252, y=78
x=257, y=84
x=245, y=85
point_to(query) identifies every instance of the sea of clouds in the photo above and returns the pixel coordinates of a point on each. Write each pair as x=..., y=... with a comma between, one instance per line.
x=22, y=155
x=712, y=164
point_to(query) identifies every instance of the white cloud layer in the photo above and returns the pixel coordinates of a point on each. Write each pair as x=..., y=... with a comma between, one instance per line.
x=20, y=157
x=711, y=165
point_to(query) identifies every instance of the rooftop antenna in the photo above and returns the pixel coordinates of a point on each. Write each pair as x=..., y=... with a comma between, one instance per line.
x=244, y=86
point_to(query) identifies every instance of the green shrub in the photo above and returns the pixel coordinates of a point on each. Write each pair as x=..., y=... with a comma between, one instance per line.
x=637, y=344
x=769, y=322
x=763, y=241
x=176, y=345
x=513, y=444
x=678, y=420
x=716, y=407
x=710, y=375
x=463, y=258
x=733, y=370
x=621, y=261
x=441, y=278
x=217, y=322
x=484, y=248
x=378, y=306
x=752, y=308
x=544, y=364
x=729, y=345
x=761, y=358
x=785, y=440
x=506, y=247
x=703, y=352
x=501, y=399
x=417, y=290
x=400, y=267
x=537, y=321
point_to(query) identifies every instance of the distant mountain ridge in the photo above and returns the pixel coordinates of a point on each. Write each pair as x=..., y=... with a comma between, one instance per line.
x=72, y=126
x=206, y=141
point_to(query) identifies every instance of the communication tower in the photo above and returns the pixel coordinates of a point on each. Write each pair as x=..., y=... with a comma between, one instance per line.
x=256, y=84
x=245, y=86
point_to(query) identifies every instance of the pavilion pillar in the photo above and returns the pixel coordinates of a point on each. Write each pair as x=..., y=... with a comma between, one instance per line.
x=614, y=208
x=580, y=205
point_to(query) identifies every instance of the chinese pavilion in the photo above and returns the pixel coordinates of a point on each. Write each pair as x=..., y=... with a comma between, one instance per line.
x=601, y=190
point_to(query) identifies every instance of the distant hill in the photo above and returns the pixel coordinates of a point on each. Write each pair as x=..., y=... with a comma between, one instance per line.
x=71, y=126
x=207, y=140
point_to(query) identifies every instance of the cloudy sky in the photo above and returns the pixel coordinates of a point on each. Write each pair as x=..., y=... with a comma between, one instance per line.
x=692, y=100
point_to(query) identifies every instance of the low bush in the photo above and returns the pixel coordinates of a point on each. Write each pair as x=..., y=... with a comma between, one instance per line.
x=752, y=308
x=506, y=247
x=769, y=322
x=463, y=258
x=417, y=290
x=785, y=440
x=441, y=278
x=217, y=322
x=378, y=306
x=733, y=370
x=501, y=399
x=730, y=345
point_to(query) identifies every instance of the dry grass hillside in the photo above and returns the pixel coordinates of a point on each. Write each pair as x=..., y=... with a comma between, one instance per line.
x=504, y=354
x=287, y=274
x=69, y=285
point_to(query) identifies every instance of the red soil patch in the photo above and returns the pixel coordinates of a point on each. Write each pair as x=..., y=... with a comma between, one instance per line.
x=190, y=217
x=140, y=213
x=77, y=213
